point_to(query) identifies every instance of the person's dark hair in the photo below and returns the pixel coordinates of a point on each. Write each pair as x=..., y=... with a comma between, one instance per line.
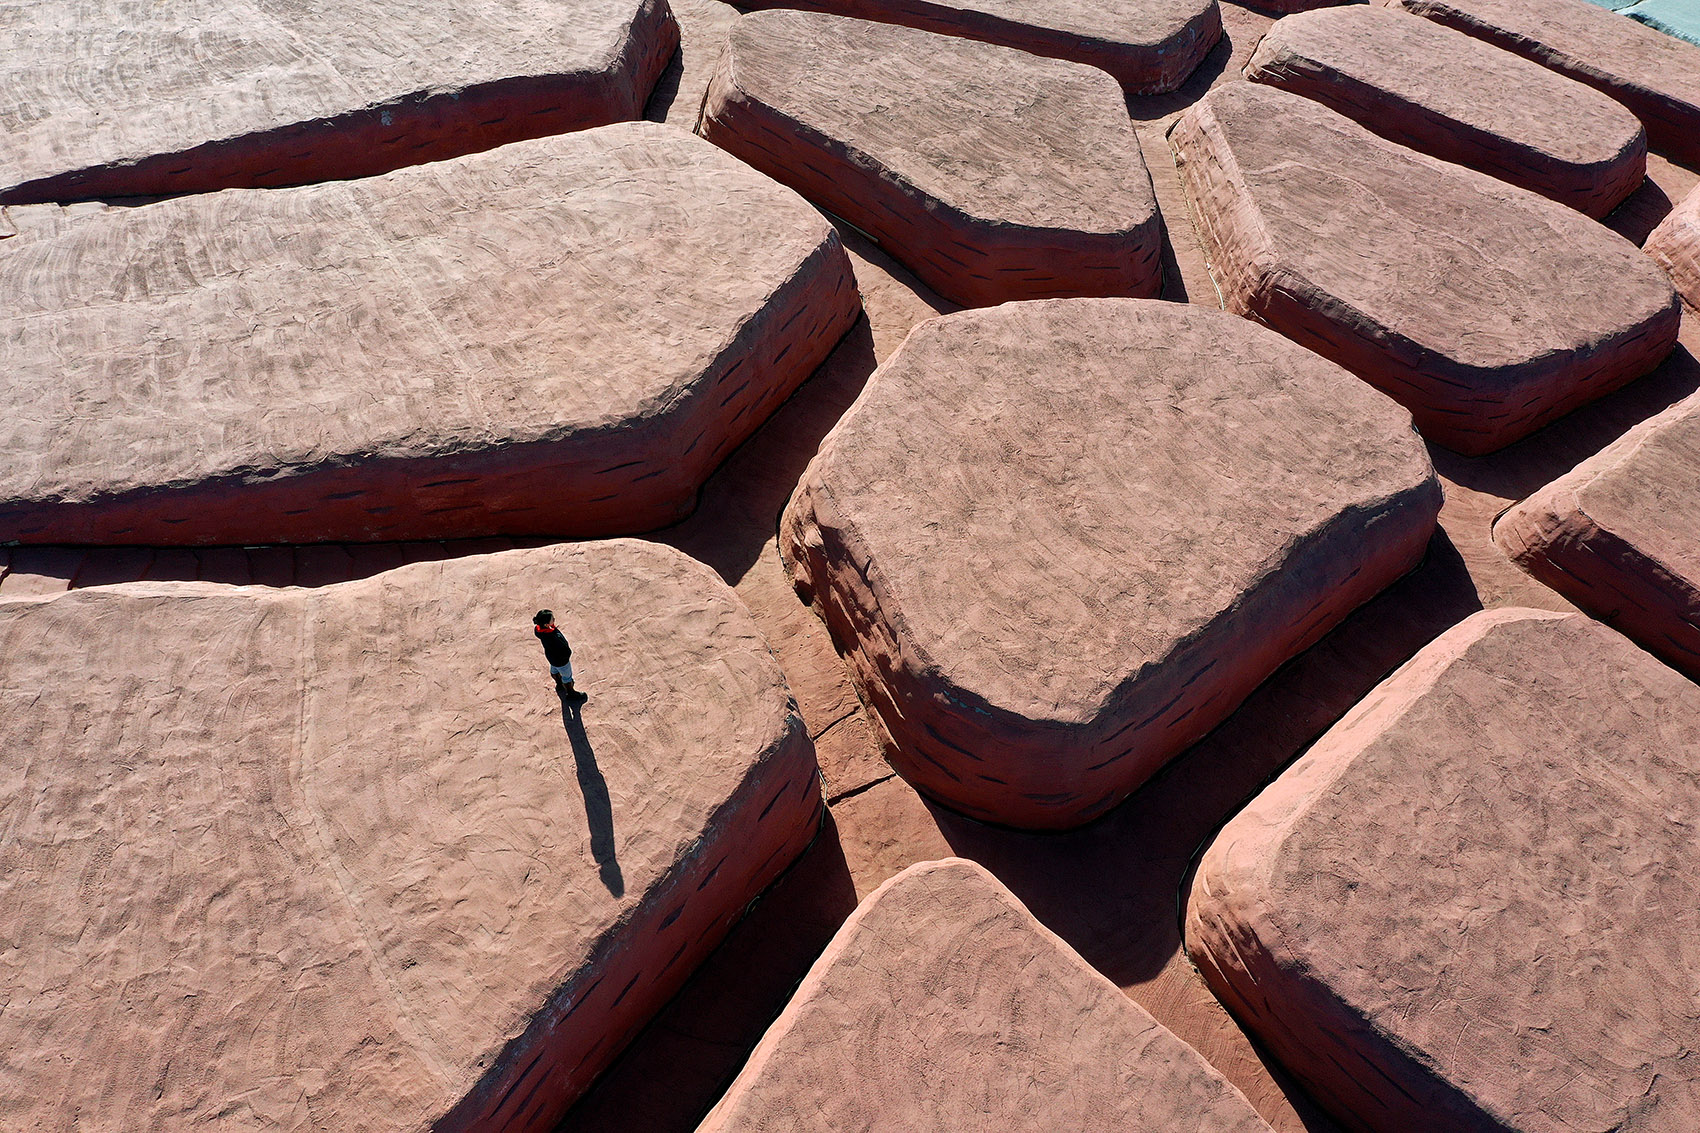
x=543, y=618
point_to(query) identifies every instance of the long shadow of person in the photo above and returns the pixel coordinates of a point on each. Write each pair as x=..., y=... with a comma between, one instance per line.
x=597, y=807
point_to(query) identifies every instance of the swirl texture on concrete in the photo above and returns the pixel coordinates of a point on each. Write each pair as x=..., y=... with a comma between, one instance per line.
x=1450, y=290
x=109, y=98
x=1620, y=535
x=562, y=336
x=1060, y=541
x=991, y=173
x=326, y=859
x=1440, y=91
x=1469, y=906
x=1655, y=75
x=943, y=1005
x=1150, y=46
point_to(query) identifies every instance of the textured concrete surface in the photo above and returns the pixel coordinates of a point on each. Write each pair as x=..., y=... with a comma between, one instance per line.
x=991, y=173
x=1620, y=535
x=1460, y=99
x=1655, y=75
x=1150, y=46
x=1109, y=889
x=324, y=859
x=1452, y=291
x=1468, y=906
x=1675, y=246
x=943, y=1005
x=563, y=336
x=1100, y=474
x=107, y=98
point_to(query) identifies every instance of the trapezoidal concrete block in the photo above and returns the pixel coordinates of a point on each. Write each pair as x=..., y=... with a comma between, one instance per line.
x=560, y=337
x=1150, y=46
x=1675, y=246
x=1673, y=17
x=943, y=1005
x=1469, y=907
x=114, y=99
x=991, y=173
x=1655, y=75
x=1060, y=541
x=1454, y=292
x=1460, y=99
x=1620, y=535
x=339, y=858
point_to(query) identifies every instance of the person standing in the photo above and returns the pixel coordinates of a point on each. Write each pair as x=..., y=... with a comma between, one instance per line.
x=559, y=655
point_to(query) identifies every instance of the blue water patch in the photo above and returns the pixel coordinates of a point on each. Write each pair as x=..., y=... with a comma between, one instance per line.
x=1680, y=18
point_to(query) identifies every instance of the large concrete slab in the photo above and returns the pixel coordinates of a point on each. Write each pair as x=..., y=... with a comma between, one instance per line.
x=943, y=1005
x=1675, y=246
x=563, y=337
x=1150, y=46
x=1487, y=310
x=327, y=859
x=1620, y=535
x=991, y=173
x=109, y=98
x=1460, y=99
x=1655, y=75
x=1060, y=541
x=1469, y=905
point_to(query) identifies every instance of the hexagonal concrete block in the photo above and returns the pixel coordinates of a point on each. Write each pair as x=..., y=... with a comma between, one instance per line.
x=114, y=99
x=560, y=337
x=1060, y=541
x=990, y=173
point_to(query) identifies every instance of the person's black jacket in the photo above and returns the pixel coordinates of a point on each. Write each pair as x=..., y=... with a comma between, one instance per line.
x=555, y=646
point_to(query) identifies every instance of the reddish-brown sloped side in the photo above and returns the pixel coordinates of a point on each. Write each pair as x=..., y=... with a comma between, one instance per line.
x=646, y=960
x=943, y=1004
